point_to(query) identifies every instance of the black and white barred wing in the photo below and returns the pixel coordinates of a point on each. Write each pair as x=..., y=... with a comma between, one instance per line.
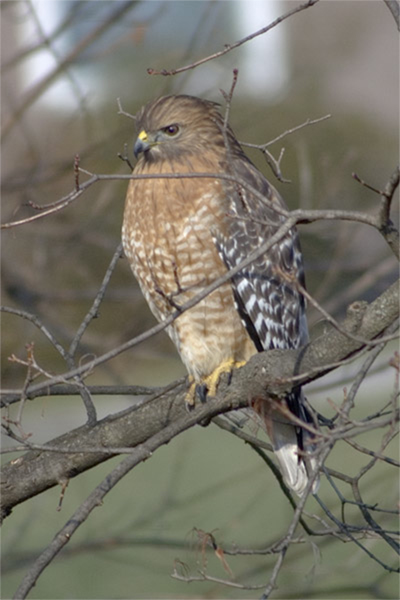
x=268, y=299
x=266, y=292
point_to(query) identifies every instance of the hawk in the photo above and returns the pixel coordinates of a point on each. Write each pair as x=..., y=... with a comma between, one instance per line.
x=181, y=233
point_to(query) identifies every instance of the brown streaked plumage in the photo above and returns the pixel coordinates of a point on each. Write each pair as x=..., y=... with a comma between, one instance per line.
x=181, y=234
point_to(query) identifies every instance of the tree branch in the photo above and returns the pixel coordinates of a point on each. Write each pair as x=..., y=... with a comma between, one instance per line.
x=229, y=47
x=268, y=374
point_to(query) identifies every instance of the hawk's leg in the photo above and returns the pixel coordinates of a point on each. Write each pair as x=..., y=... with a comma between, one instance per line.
x=209, y=385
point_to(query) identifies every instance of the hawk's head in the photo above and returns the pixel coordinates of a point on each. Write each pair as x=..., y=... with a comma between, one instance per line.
x=174, y=125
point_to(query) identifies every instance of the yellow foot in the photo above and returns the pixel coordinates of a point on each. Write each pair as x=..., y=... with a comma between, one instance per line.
x=226, y=367
x=209, y=385
x=195, y=391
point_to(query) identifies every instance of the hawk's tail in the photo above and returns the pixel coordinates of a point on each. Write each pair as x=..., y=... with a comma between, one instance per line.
x=293, y=444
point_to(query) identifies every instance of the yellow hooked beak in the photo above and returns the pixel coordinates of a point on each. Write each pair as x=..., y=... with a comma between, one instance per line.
x=143, y=143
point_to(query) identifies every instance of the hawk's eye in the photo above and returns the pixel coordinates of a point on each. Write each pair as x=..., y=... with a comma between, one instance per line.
x=171, y=130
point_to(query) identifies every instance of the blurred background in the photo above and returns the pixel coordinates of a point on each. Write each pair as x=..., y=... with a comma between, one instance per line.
x=64, y=65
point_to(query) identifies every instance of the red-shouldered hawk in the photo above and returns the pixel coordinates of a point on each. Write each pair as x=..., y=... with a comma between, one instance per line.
x=181, y=234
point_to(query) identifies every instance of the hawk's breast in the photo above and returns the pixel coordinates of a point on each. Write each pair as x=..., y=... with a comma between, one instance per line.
x=168, y=241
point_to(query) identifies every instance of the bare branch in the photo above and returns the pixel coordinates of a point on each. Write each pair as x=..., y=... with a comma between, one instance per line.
x=293, y=218
x=37, y=322
x=383, y=222
x=230, y=47
x=302, y=216
x=204, y=577
x=142, y=452
x=93, y=312
x=353, y=506
x=268, y=374
x=121, y=111
x=10, y=396
x=228, y=98
x=271, y=160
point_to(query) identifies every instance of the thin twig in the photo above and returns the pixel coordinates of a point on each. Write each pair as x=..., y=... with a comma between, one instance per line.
x=228, y=98
x=280, y=233
x=280, y=137
x=356, y=307
x=76, y=172
x=38, y=323
x=10, y=396
x=374, y=353
x=93, y=311
x=229, y=47
x=121, y=111
x=383, y=222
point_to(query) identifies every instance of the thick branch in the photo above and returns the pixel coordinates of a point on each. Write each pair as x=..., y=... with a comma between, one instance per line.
x=266, y=374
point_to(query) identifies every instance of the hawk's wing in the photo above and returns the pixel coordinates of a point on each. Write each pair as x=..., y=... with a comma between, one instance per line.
x=266, y=292
x=267, y=297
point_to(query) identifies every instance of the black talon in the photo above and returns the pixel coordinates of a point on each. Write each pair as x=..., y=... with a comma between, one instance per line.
x=201, y=392
x=189, y=406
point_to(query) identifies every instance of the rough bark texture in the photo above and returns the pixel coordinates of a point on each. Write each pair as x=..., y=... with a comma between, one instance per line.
x=263, y=376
